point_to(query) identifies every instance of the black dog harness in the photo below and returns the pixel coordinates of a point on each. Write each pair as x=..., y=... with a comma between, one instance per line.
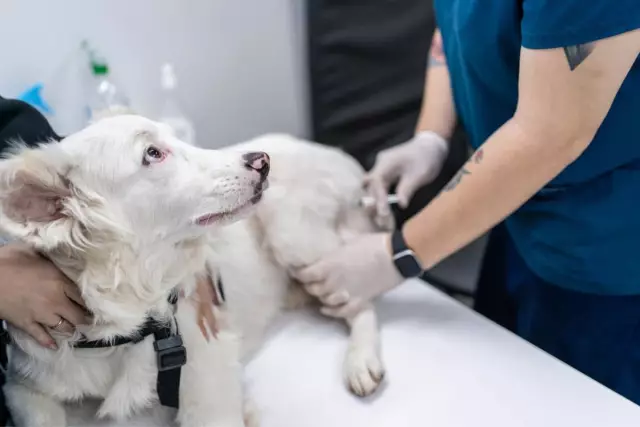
x=171, y=355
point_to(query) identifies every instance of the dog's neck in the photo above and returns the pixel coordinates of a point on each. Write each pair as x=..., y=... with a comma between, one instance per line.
x=124, y=285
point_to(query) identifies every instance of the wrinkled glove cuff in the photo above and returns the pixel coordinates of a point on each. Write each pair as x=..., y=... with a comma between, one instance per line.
x=433, y=139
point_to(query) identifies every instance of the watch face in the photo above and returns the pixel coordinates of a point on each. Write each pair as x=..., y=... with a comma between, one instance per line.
x=407, y=264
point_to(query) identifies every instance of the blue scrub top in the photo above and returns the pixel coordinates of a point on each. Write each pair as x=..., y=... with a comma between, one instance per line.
x=582, y=231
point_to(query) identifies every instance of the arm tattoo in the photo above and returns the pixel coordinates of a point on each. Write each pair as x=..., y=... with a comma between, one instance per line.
x=476, y=159
x=577, y=54
x=456, y=179
x=436, y=51
x=478, y=156
x=434, y=61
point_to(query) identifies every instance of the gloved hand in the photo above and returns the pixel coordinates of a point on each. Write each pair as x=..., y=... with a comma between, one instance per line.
x=348, y=279
x=411, y=165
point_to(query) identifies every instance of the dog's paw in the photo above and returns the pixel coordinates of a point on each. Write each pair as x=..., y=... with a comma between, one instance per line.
x=363, y=371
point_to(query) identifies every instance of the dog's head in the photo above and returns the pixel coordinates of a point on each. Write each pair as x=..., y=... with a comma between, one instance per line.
x=124, y=178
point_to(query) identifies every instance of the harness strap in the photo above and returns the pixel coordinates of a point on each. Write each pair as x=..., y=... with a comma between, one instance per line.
x=145, y=331
x=171, y=354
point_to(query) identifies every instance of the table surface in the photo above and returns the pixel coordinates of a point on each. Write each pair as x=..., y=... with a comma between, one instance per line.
x=446, y=366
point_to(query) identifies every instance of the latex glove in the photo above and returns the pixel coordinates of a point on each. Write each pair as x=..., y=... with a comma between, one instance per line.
x=348, y=279
x=35, y=295
x=411, y=165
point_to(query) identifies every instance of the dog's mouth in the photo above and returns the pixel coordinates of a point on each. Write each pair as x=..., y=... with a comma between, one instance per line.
x=211, y=218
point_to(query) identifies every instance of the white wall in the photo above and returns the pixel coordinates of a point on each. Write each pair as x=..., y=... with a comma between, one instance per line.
x=240, y=63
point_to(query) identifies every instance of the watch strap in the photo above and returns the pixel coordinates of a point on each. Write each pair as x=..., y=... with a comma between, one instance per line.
x=404, y=258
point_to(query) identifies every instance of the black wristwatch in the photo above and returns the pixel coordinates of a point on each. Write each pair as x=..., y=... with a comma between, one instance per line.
x=404, y=258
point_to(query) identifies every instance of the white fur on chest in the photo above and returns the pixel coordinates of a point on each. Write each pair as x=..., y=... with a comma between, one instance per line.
x=74, y=374
x=121, y=378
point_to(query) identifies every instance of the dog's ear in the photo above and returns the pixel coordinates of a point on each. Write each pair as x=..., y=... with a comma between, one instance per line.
x=33, y=187
x=32, y=199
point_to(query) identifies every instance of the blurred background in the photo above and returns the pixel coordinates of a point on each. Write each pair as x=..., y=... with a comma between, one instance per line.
x=239, y=64
x=346, y=73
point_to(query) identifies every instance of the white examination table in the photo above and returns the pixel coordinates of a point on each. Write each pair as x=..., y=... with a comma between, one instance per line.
x=446, y=367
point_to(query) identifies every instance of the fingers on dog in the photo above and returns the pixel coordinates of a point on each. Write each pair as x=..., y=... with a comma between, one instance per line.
x=315, y=273
x=318, y=290
x=208, y=320
x=40, y=334
x=72, y=313
x=73, y=293
x=406, y=188
x=337, y=298
x=54, y=321
x=378, y=189
x=207, y=300
x=64, y=327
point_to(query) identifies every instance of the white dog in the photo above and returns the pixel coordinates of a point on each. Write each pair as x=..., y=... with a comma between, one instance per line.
x=131, y=214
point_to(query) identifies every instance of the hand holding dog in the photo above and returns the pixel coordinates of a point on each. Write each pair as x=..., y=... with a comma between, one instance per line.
x=347, y=280
x=37, y=296
x=207, y=303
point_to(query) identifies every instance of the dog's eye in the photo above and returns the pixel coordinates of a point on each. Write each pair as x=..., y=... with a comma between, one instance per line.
x=152, y=155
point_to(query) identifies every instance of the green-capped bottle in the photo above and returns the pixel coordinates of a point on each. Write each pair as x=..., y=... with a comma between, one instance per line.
x=105, y=98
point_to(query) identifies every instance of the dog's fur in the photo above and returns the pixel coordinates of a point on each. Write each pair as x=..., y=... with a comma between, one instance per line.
x=127, y=233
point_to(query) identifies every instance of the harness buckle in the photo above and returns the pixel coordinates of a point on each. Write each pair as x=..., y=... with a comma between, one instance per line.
x=171, y=354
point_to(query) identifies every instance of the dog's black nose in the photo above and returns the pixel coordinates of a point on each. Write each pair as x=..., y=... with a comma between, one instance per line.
x=258, y=162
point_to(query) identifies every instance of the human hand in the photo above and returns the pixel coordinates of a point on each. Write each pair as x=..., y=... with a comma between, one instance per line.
x=411, y=165
x=36, y=297
x=348, y=279
x=207, y=303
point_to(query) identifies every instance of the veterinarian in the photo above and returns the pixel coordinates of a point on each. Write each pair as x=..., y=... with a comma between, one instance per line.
x=549, y=94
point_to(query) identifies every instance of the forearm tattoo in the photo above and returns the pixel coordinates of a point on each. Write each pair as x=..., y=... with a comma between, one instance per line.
x=457, y=178
x=577, y=54
x=436, y=52
x=435, y=61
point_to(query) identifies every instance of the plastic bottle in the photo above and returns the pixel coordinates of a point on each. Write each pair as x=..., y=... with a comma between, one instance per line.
x=105, y=98
x=171, y=113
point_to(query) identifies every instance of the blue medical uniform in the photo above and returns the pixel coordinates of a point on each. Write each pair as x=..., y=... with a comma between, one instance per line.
x=572, y=268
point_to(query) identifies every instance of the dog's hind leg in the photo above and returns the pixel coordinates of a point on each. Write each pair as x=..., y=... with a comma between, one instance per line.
x=30, y=408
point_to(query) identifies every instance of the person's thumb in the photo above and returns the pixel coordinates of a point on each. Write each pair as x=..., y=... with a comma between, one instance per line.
x=406, y=188
x=378, y=188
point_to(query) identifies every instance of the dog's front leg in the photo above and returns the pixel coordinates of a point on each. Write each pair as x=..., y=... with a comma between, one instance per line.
x=363, y=367
x=134, y=388
x=211, y=392
x=31, y=408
